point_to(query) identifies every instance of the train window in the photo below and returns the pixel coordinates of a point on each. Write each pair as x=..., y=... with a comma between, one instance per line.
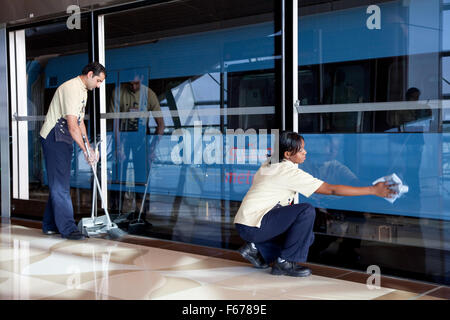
x=348, y=84
x=251, y=90
x=110, y=89
x=446, y=76
x=308, y=86
x=446, y=30
x=396, y=81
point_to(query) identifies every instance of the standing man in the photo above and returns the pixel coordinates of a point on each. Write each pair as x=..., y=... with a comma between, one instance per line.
x=64, y=123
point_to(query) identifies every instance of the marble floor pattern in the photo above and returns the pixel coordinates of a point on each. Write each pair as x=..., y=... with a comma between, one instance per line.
x=34, y=266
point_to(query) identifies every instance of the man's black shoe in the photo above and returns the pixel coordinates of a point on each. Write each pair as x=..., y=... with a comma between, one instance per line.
x=75, y=235
x=50, y=232
x=253, y=255
x=288, y=268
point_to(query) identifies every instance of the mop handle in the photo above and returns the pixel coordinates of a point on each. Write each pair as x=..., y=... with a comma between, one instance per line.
x=97, y=182
x=101, y=197
x=86, y=146
x=93, y=189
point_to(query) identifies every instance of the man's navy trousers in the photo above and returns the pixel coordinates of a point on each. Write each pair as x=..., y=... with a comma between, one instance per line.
x=58, y=213
x=285, y=232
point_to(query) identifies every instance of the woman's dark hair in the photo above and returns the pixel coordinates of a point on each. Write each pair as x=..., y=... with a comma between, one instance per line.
x=95, y=67
x=290, y=142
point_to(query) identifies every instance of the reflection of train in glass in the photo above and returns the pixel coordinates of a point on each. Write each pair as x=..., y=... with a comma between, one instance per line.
x=212, y=90
x=358, y=147
x=234, y=69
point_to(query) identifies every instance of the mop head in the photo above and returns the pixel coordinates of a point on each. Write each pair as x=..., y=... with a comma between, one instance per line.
x=139, y=226
x=123, y=219
x=115, y=232
x=94, y=227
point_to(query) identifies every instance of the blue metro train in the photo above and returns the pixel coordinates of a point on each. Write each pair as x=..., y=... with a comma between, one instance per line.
x=217, y=78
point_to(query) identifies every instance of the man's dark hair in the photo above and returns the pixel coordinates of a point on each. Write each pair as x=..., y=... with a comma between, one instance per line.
x=95, y=67
x=289, y=141
x=410, y=92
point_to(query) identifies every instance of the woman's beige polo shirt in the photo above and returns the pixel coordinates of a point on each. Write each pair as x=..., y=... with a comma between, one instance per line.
x=70, y=99
x=274, y=184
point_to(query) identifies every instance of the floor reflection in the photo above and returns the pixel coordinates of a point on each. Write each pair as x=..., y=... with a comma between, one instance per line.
x=196, y=221
x=35, y=266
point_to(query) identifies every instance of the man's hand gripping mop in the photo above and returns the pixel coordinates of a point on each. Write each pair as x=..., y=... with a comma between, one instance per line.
x=94, y=225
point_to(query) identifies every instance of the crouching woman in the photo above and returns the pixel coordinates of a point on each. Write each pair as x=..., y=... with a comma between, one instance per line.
x=275, y=230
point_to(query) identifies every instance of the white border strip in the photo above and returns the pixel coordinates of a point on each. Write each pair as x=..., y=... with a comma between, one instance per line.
x=187, y=113
x=292, y=104
x=103, y=149
x=12, y=75
x=294, y=65
x=375, y=106
x=35, y=118
x=22, y=110
x=283, y=65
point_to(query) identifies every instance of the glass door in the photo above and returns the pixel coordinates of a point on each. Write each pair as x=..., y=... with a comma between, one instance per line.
x=42, y=58
x=188, y=110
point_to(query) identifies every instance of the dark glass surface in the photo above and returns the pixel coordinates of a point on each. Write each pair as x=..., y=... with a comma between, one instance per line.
x=372, y=104
x=206, y=70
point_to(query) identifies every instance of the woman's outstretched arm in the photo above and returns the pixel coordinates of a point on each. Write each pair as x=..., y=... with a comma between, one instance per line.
x=381, y=189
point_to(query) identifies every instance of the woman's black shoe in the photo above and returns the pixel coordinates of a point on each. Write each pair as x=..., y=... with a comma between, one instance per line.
x=288, y=268
x=253, y=255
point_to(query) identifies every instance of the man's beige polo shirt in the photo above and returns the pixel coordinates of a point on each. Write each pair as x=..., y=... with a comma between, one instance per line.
x=274, y=184
x=70, y=99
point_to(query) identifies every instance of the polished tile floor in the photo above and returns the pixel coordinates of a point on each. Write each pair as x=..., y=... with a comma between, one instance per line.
x=34, y=266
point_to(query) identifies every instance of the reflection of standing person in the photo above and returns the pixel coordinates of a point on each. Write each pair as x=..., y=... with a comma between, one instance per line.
x=406, y=122
x=414, y=149
x=276, y=230
x=400, y=118
x=64, y=123
x=135, y=97
x=130, y=136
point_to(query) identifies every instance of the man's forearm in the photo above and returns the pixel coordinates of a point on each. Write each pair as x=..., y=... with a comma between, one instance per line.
x=159, y=126
x=76, y=133
x=84, y=132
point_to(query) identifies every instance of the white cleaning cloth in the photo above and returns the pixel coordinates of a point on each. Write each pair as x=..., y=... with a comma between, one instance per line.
x=399, y=187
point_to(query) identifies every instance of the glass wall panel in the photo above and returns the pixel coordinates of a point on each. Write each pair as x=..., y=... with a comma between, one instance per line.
x=54, y=54
x=190, y=106
x=374, y=90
